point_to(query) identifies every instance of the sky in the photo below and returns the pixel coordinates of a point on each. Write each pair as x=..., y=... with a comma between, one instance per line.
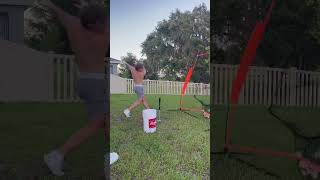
x=132, y=20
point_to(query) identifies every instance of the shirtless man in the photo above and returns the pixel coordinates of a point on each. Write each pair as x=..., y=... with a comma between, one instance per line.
x=88, y=37
x=138, y=72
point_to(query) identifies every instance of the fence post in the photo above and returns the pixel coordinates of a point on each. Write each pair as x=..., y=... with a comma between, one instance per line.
x=72, y=80
x=202, y=89
x=51, y=79
x=65, y=77
x=292, y=85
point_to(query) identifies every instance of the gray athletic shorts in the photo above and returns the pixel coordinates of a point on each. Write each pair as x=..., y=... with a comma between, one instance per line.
x=91, y=89
x=139, y=90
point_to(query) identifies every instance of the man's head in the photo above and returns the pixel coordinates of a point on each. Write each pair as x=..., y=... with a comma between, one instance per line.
x=139, y=67
x=94, y=18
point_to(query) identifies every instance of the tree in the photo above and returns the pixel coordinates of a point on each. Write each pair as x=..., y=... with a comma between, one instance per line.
x=171, y=46
x=288, y=41
x=315, y=28
x=152, y=71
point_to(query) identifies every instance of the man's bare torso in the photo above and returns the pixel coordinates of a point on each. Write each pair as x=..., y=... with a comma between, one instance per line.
x=89, y=47
x=138, y=77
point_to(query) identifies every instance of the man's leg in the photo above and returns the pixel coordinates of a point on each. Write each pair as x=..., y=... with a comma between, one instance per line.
x=55, y=158
x=145, y=103
x=132, y=106
x=139, y=91
x=135, y=104
x=82, y=135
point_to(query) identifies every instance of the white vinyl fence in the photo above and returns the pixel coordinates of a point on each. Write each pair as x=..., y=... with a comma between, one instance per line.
x=65, y=74
x=63, y=79
x=170, y=87
x=263, y=86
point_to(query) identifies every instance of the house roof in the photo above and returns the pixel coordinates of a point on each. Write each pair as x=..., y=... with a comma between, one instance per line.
x=17, y=2
x=114, y=61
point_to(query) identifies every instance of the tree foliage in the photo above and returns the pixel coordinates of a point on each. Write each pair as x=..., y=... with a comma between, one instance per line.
x=174, y=42
x=291, y=38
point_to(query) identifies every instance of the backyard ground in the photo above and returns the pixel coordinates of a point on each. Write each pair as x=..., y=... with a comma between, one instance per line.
x=179, y=149
x=28, y=130
x=256, y=127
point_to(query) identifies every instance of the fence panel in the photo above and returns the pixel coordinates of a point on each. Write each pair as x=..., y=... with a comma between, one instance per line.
x=263, y=86
x=63, y=79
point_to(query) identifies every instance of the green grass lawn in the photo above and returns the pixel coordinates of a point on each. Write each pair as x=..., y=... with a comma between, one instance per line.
x=255, y=127
x=179, y=149
x=27, y=131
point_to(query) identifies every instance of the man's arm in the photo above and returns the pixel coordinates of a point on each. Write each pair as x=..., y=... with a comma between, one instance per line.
x=65, y=18
x=131, y=68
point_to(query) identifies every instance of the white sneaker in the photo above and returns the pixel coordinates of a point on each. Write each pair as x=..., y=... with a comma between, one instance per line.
x=113, y=157
x=54, y=161
x=127, y=112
